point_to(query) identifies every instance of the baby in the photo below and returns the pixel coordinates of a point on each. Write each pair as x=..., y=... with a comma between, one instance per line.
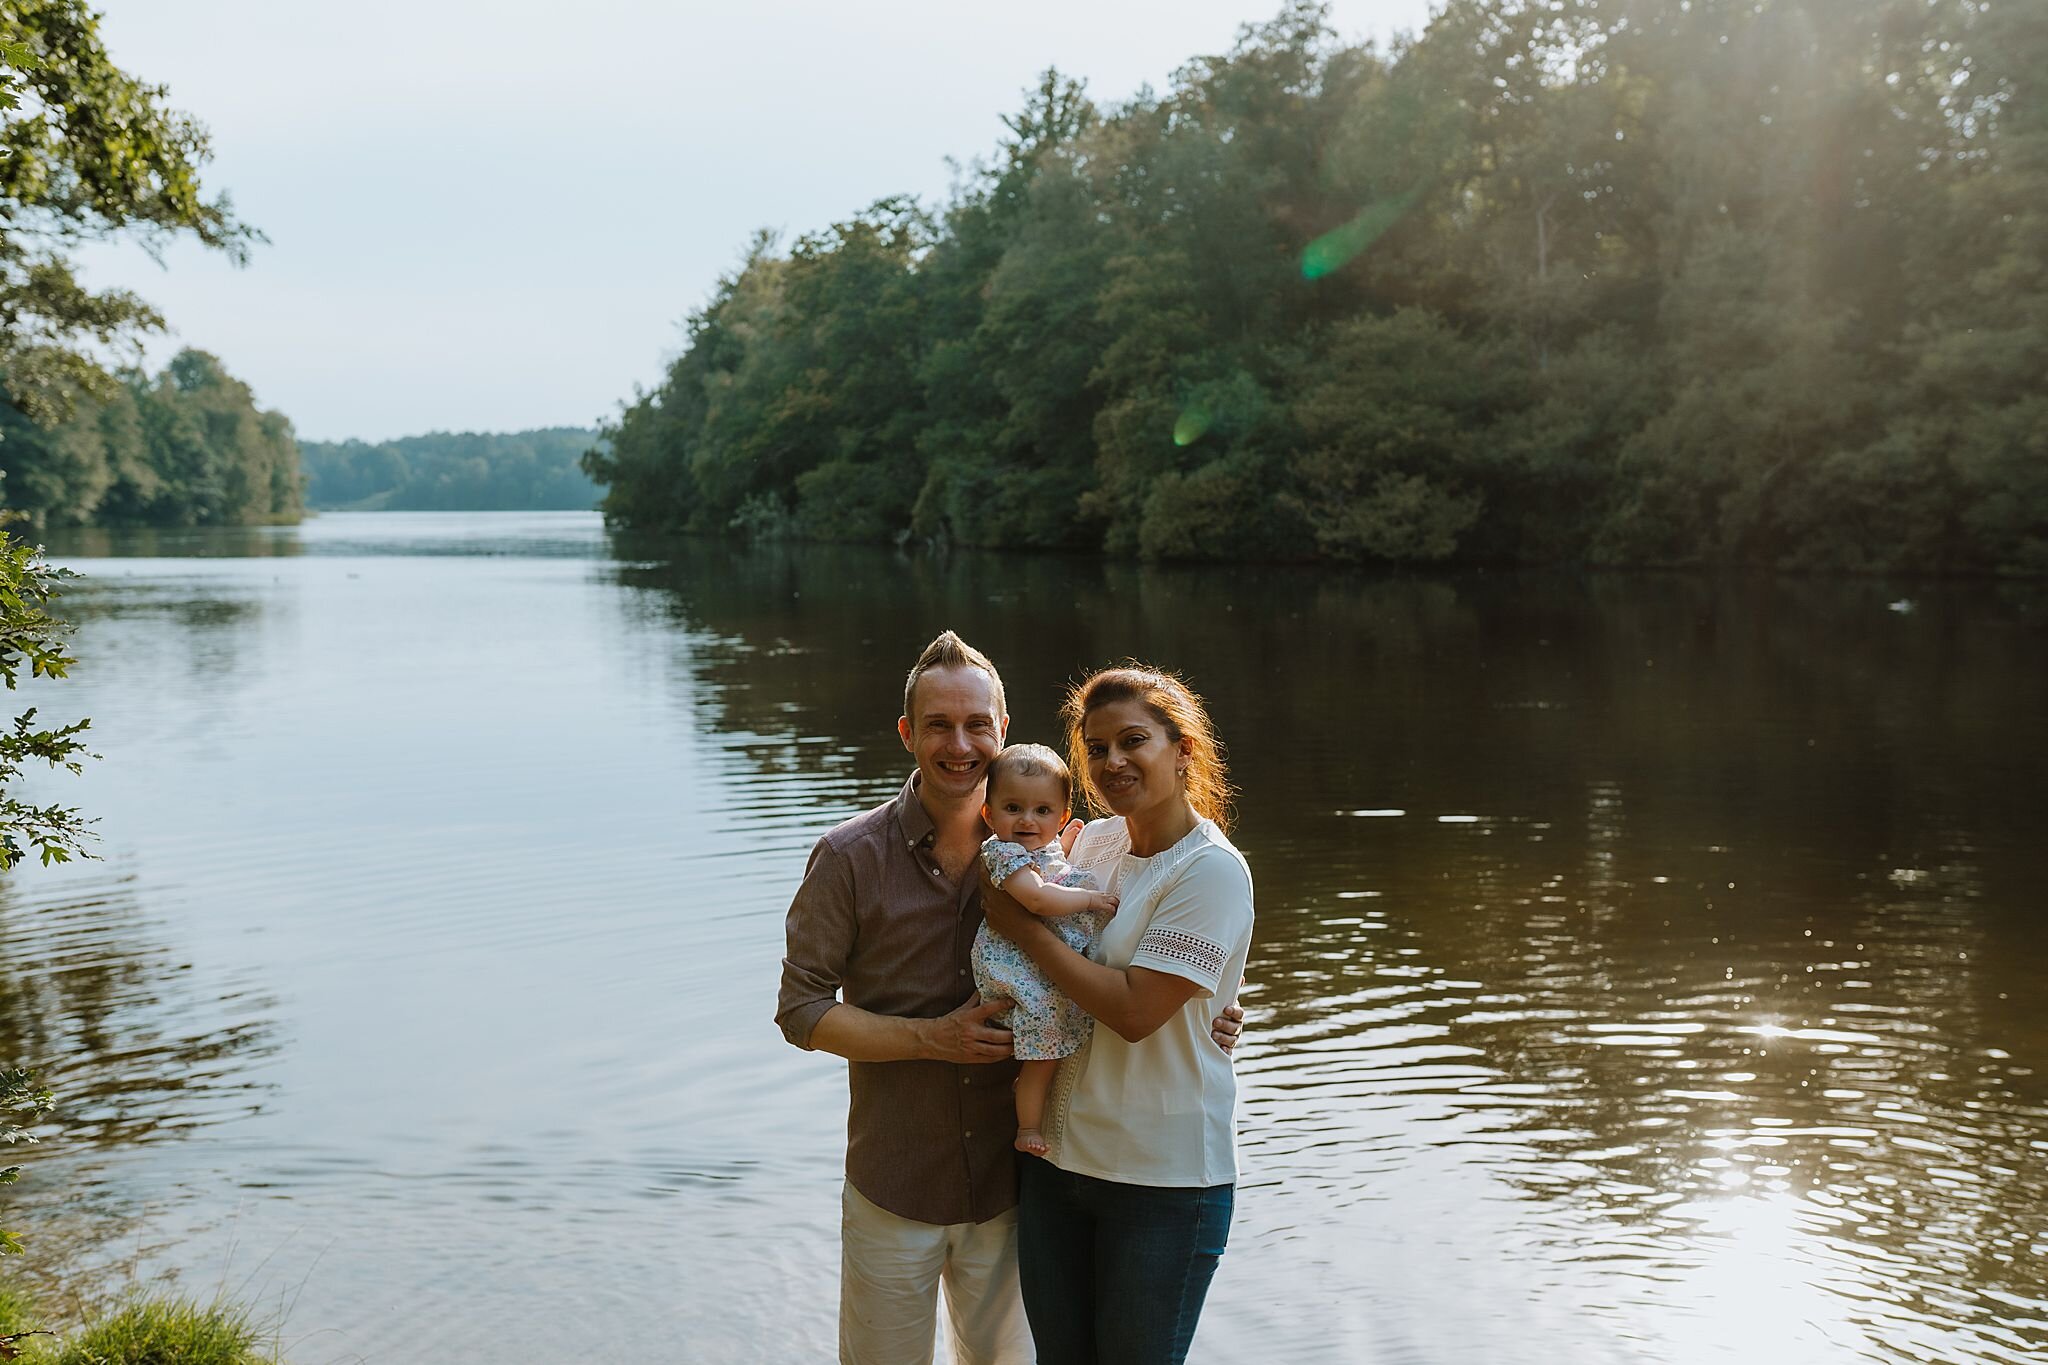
x=1029, y=790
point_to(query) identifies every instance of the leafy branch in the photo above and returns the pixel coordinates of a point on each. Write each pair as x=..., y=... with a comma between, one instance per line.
x=20, y=1098
x=32, y=638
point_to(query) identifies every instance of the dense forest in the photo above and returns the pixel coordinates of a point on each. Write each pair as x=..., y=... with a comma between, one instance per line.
x=188, y=447
x=1603, y=281
x=446, y=471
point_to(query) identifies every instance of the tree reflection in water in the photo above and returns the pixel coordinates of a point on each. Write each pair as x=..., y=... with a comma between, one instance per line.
x=139, y=1047
x=1685, y=924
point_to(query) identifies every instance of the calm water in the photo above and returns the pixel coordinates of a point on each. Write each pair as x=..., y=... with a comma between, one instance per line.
x=1647, y=969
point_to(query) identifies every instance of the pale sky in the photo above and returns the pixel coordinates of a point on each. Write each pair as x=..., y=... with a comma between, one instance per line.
x=495, y=214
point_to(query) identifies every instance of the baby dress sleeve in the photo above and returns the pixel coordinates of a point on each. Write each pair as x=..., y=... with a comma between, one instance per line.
x=1003, y=859
x=1200, y=921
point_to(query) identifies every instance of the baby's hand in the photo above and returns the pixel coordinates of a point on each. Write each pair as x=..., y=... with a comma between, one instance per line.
x=1103, y=904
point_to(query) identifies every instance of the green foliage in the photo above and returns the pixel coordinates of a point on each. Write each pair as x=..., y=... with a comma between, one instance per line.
x=454, y=471
x=187, y=448
x=1397, y=416
x=1610, y=281
x=31, y=638
x=20, y=1098
x=15, y=60
x=169, y=1331
x=86, y=153
x=152, y=1330
x=20, y=1323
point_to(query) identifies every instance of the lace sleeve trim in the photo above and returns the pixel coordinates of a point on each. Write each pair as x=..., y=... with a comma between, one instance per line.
x=1177, y=945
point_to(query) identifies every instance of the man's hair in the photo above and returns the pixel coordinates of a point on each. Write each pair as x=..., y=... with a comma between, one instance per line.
x=1030, y=760
x=950, y=651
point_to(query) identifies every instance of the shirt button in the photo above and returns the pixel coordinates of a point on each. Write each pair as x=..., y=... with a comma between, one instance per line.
x=961, y=972
x=963, y=1080
x=970, y=1132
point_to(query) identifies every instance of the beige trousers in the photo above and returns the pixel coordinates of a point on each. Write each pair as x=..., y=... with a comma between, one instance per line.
x=890, y=1270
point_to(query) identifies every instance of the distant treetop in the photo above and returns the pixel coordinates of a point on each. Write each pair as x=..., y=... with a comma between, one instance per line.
x=453, y=471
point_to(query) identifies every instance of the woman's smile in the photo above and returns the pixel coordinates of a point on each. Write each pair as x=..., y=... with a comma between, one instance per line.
x=1132, y=759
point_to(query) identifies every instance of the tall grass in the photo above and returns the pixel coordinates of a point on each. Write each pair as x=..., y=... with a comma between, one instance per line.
x=162, y=1331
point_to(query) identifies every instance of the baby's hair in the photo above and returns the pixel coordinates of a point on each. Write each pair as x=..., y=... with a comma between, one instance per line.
x=1030, y=760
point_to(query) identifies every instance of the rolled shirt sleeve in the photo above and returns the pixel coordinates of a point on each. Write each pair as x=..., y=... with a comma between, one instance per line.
x=819, y=934
x=1200, y=918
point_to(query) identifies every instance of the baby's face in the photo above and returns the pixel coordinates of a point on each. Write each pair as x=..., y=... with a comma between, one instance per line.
x=1027, y=810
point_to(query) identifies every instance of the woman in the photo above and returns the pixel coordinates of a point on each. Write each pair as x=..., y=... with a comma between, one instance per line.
x=1121, y=1224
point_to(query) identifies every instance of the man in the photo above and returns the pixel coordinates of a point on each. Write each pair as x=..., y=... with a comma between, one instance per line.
x=877, y=972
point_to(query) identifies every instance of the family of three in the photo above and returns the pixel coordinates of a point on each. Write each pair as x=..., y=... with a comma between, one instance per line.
x=1043, y=1109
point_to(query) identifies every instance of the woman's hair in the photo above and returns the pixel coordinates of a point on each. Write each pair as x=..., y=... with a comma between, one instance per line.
x=1030, y=760
x=1177, y=708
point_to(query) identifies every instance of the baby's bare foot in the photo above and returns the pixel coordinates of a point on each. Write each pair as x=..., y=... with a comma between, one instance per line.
x=1028, y=1140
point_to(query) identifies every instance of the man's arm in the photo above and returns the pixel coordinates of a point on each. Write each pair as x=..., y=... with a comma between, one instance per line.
x=965, y=1035
x=819, y=933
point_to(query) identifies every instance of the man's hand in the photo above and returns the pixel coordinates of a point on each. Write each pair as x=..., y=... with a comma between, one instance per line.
x=1225, y=1027
x=965, y=1035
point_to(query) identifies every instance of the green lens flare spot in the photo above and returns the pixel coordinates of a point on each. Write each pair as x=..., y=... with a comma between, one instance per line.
x=1191, y=426
x=1338, y=247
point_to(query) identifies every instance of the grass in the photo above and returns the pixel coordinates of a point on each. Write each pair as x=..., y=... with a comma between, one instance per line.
x=18, y=1315
x=157, y=1330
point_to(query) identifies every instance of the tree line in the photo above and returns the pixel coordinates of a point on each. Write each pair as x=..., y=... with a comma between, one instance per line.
x=186, y=447
x=442, y=471
x=1752, y=282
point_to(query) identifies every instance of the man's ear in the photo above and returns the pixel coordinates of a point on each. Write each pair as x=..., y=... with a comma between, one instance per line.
x=903, y=733
x=1003, y=730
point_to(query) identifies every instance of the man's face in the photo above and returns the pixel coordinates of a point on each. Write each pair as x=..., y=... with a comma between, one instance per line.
x=955, y=732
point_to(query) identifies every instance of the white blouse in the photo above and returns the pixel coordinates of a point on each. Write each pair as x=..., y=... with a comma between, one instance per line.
x=1162, y=1111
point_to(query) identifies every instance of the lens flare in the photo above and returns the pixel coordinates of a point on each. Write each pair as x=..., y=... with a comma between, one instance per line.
x=1338, y=247
x=1191, y=426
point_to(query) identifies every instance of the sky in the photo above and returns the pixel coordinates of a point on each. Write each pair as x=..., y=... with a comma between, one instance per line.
x=491, y=215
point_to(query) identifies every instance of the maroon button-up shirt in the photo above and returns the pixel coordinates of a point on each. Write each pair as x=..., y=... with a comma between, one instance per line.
x=877, y=924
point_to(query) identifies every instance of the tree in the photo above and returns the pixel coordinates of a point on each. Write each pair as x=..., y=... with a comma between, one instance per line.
x=1732, y=282
x=87, y=153
x=454, y=471
x=187, y=448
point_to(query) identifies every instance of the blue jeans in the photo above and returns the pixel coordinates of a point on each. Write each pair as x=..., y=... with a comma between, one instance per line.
x=1115, y=1274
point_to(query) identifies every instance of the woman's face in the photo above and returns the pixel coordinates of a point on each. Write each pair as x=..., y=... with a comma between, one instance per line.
x=1132, y=760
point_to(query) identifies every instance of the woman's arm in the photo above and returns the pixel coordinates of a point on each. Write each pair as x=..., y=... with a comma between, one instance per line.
x=1134, y=1001
x=1051, y=900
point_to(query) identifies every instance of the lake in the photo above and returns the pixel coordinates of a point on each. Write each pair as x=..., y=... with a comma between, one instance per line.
x=1648, y=968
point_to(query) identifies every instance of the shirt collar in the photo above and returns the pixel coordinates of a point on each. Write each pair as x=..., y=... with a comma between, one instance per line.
x=913, y=819
x=911, y=816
